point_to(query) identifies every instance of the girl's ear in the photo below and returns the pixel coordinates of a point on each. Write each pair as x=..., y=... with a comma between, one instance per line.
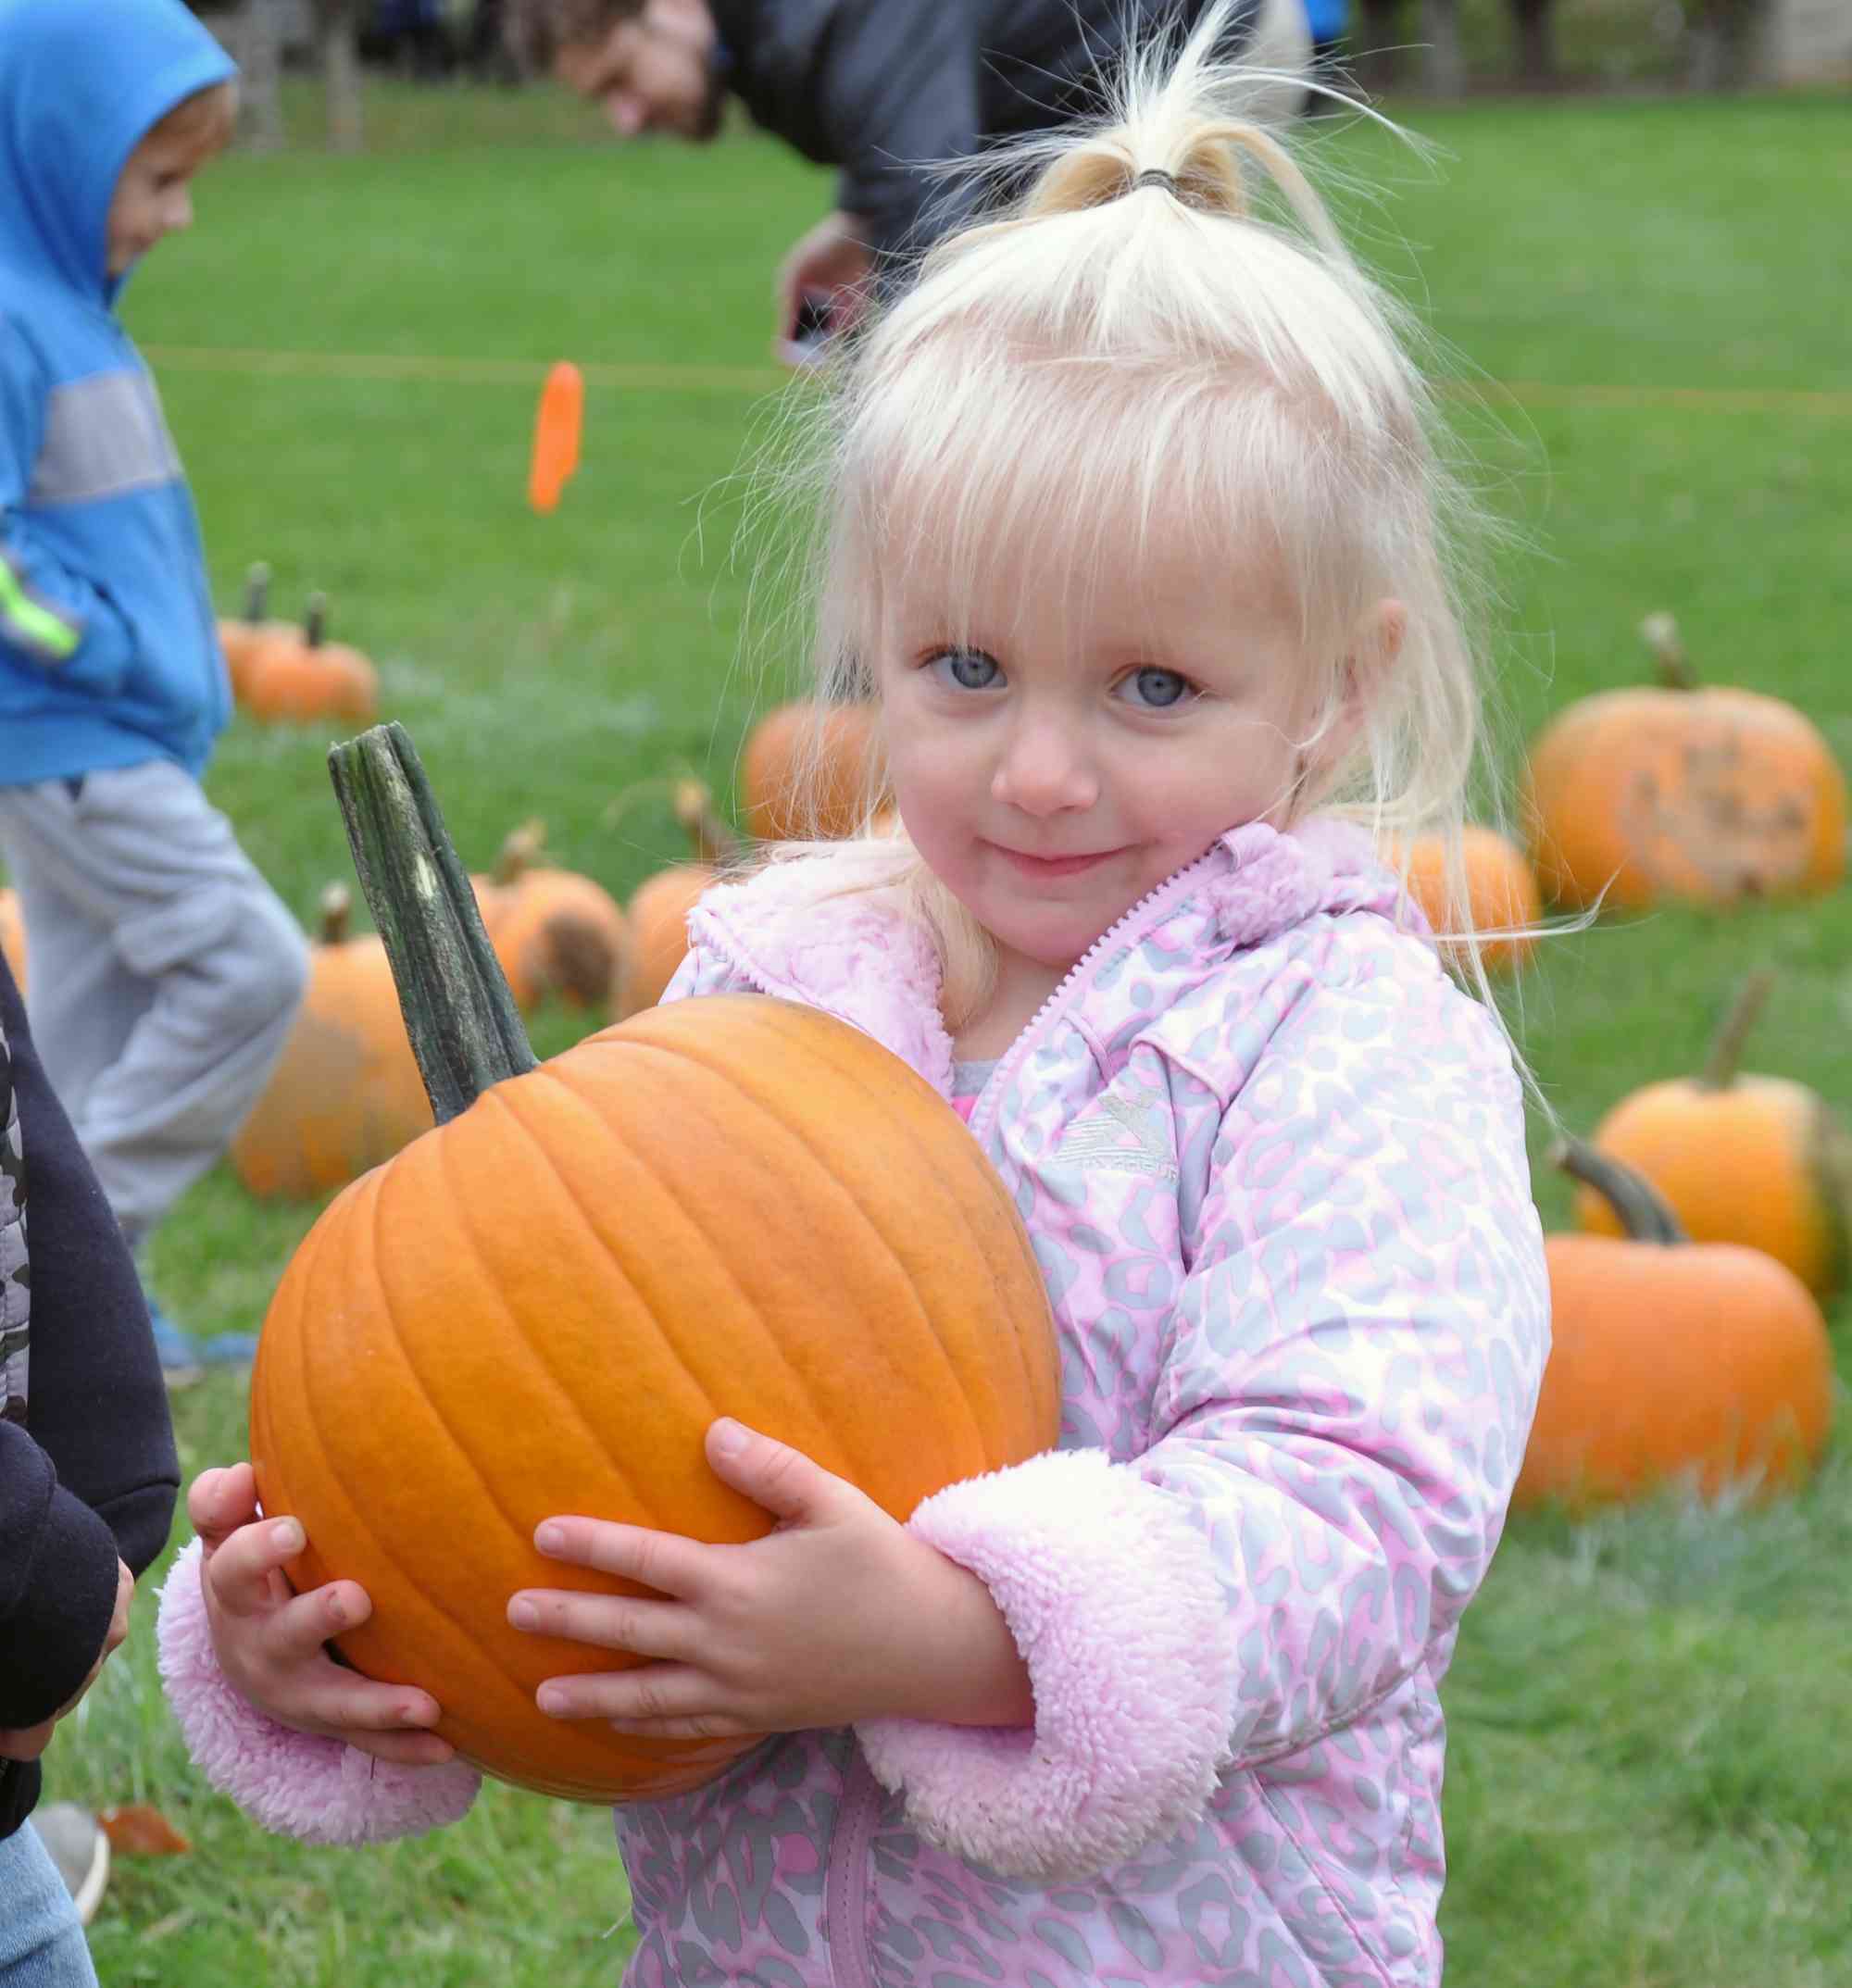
x=1373, y=649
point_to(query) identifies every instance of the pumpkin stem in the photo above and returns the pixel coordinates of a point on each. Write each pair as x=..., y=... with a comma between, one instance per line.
x=713, y=839
x=256, y=591
x=337, y=905
x=519, y=851
x=465, y=1029
x=1644, y=1213
x=1661, y=636
x=315, y=620
x=1726, y=1045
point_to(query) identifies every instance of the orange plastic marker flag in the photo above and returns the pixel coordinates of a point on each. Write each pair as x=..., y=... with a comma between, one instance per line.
x=555, y=434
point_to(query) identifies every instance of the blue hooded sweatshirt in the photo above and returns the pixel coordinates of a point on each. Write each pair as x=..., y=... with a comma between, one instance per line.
x=108, y=650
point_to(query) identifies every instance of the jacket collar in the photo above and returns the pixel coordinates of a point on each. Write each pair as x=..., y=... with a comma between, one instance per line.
x=795, y=932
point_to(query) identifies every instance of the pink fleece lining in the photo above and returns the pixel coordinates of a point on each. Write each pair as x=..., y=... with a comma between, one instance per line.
x=295, y=1783
x=1113, y=1598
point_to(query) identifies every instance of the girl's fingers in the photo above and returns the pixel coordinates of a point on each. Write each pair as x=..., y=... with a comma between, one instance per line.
x=343, y=1703
x=297, y=1631
x=607, y=1621
x=664, y=1561
x=218, y=1501
x=659, y=1700
x=244, y=1572
x=402, y=1749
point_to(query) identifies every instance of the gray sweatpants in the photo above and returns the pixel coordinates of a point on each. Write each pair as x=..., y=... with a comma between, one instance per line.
x=163, y=973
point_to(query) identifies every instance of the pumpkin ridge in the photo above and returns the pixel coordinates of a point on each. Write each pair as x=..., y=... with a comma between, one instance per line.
x=952, y=1208
x=828, y=1180
x=742, y=1079
x=331, y=1480
x=444, y=1163
x=505, y=1104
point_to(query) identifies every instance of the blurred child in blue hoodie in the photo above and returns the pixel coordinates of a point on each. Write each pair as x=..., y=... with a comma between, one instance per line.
x=165, y=970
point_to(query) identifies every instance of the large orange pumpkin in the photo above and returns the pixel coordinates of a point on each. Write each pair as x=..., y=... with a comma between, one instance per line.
x=1704, y=795
x=13, y=935
x=1706, y=1364
x=838, y=740
x=734, y=1206
x=345, y=1094
x=1501, y=891
x=555, y=933
x=1758, y=1160
x=300, y=675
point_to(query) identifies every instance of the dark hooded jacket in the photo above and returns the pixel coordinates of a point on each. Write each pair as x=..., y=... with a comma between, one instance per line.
x=882, y=88
x=87, y=1466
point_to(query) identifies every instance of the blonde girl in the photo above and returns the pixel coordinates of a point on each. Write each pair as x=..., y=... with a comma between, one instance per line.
x=1138, y=543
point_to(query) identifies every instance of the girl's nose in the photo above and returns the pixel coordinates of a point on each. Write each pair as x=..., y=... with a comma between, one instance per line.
x=1046, y=769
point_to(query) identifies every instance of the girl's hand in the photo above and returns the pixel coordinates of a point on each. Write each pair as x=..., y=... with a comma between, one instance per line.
x=270, y=1641
x=838, y=1614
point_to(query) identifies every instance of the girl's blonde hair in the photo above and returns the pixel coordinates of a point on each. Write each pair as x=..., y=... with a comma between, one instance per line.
x=1162, y=336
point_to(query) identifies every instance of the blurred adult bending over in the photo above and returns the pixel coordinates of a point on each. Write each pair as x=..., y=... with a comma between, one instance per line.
x=882, y=89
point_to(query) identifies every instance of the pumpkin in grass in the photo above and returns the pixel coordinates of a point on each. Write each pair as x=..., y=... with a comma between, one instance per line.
x=1672, y=1362
x=345, y=1094
x=556, y=933
x=659, y=907
x=299, y=676
x=838, y=740
x=727, y=1206
x=13, y=935
x=1501, y=890
x=1706, y=796
x=1740, y=1159
x=240, y=638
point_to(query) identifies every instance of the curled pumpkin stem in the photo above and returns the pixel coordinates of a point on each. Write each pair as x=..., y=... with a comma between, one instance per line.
x=1644, y=1213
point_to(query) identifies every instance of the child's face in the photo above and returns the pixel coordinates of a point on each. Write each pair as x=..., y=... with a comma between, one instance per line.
x=154, y=196
x=1071, y=750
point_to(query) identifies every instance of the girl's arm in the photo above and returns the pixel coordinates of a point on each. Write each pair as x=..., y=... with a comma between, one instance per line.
x=1348, y=1376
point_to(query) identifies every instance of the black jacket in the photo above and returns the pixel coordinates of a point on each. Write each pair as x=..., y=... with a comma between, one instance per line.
x=87, y=1463
x=880, y=87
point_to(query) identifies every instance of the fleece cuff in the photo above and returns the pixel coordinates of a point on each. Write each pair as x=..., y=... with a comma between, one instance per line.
x=295, y=1783
x=1111, y=1596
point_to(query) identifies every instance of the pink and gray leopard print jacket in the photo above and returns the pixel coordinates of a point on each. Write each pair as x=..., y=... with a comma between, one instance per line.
x=1273, y=1164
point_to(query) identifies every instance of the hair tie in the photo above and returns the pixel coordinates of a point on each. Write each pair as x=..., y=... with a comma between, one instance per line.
x=1157, y=176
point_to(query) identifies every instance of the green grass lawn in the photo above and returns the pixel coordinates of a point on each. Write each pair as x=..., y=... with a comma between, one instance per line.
x=1650, y=1773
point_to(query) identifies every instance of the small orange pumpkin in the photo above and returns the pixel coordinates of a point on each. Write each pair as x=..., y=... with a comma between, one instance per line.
x=299, y=677
x=1757, y=1160
x=556, y=933
x=345, y=1093
x=734, y=1205
x=1704, y=795
x=1672, y=1361
x=13, y=934
x=1501, y=891
x=659, y=907
x=839, y=741
x=241, y=639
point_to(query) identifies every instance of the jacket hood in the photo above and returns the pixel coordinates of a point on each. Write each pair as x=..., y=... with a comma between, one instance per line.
x=81, y=83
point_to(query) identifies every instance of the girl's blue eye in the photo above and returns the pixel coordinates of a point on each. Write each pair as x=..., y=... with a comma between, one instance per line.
x=1155, y=690
x=966, y=669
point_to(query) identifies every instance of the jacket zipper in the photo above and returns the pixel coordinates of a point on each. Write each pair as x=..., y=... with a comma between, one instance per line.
x=984, y=1110
x=845, y=1892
